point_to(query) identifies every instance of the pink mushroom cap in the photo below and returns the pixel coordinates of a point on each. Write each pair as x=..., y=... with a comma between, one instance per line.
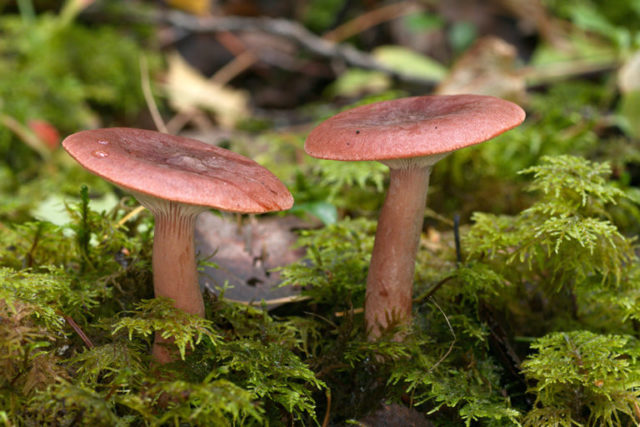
x=180, y=169
x=412, y=127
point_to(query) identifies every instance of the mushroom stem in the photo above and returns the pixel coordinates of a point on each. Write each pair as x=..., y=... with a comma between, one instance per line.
x=174, y=262
x=175, y=274
x=390, y=278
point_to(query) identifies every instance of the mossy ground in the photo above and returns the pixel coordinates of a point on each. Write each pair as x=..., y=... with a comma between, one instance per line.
x=532, y=320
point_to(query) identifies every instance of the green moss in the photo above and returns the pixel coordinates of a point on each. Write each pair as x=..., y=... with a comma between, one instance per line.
x=583, y=378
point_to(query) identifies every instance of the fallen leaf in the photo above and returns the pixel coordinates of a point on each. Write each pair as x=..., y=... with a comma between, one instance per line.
x=246, y=254
x=188, y=90
x=486, y=68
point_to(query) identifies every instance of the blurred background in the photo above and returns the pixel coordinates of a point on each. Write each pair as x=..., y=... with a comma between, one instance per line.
x=517, y=325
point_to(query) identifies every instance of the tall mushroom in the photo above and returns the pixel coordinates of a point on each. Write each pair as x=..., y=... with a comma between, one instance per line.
x=177, y=178
x=408, y=135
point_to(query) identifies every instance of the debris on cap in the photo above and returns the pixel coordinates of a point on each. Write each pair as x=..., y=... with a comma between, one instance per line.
x=179, y=169
x=412, y=127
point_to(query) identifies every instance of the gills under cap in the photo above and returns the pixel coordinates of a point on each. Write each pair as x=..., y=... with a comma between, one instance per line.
x=180, y=169
x=412, y=127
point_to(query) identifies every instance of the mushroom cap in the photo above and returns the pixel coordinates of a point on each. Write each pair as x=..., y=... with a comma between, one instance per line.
x=180, y=169
x=412, y=127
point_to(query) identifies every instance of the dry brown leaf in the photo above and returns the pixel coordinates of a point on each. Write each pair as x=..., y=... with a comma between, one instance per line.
x=246, y=253
x=487, y=68
x=44, y=371
x=188, y=91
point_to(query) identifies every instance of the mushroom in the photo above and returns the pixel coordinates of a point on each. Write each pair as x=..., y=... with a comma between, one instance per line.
x=409, y=135
x=177, y=178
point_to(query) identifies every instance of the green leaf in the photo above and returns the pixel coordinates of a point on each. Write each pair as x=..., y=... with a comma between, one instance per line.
x=407, y=61
x=324, y=211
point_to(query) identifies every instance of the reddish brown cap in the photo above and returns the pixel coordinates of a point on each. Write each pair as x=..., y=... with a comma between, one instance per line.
x=412, y=127
x=180, y=169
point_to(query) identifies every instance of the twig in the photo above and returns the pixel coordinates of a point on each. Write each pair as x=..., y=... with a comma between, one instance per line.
x=291, y=31
x=324, y=319
x=25, y=134
x=456, y=235
x=325, y=48
x=78, y=330
x=275, y=301
x=148, y=96
x=430, y=213
x=371, y=19
x=236, y=66
x=244, y=58
x=353, y=311
x=231, y=42
x=180, y=120
x=636, y=410
x=130, y=215
x=452, y=333
x=433, y=289
x=327, y=413
x=36, y=240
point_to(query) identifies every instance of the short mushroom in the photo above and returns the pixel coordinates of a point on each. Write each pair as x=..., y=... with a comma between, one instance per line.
x=408, y=135
x=177, y=178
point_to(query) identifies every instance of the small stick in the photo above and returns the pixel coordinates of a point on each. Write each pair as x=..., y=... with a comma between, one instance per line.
x=327, y=413
x=430, y=213
x=25, y=134
x=344, y=313
x=233, y=68
x=130, y=215
x=370, y=19
x=456, y=235
x=283, y=300
x=636, y=409
x=78, y=330
x=148, y=96
x=291, y=31
x=452, y=333
x=433, y=289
